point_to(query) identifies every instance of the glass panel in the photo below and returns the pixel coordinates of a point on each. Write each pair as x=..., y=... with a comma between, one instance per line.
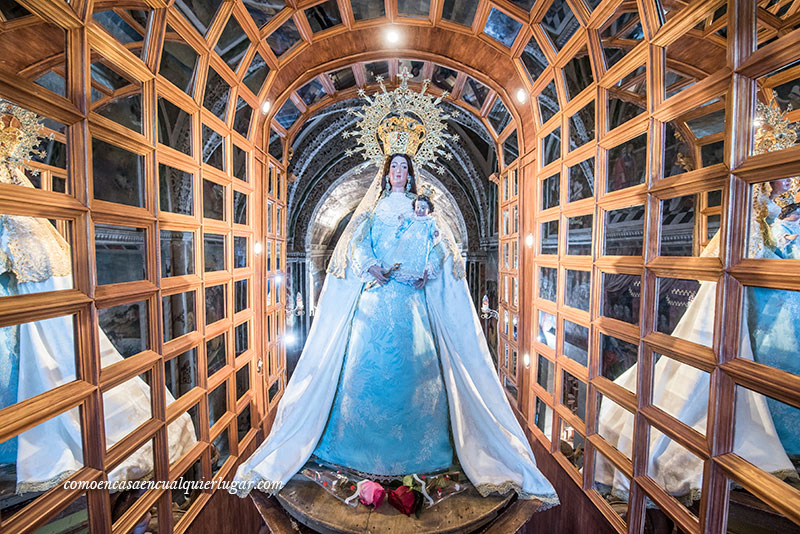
x=683, y=52
x=199, y=12
x=510, y=149
x=618, y=360
x=627, y=164
x=241, y=339
x=573, y=395
x=242, y=381
x=240, y=163
x=312, y=92
x=23, y=347
x=213, y=200
x=181, y=374
x=240, y=250
x=34, y=264
x=774, y=226
x=552, y=147
x=474, y=93
x=581, y=180
x=239, y=207
x=413, y=8
x=215, y=303
x=621, y=297
x=627, y=98
x=547, y=329
x=544, y=418
x=243, y=423
x=578, y=289
x=579, y=235
x=690, y=298
x=675, y=469
x=323, y=16
x=549, y=238
x=216, y=95
x=693, y=142
x=367, y=9
x=550, y=191
x=581, y=125
x=232, y=44
x=576, y=342
x=274, y=389
x=678, y=226
x=214, y=252
x=126, y=407
x=615, y=424
x=682, y=391
x=620, y=34
x=126, y=327
x=119, y=254
x=275, y=150
x=287, y=115
x=175, y=190
x=534, y=60
x=217, y=403
x=443, y=78
x=624, y=231
x=183, y=500
x=560, y=24
x=118, y=174
x=221, y=451
x=216, y=354
x=343, y=78
x=611, y=484
x=126, y=31
x=284, y=38
x=578, y=73
x=54, y=450
x=770, y=327
x=545, y=374
x=213, y=149
x=241, y=296
x=548, y=283
x=572, y=445
x=499, y=117
x=263, y=12
x=460, y=11
x=241, y=120
x=73, y=519
x=115, y=96
x=177, y=253
x=178, y=313
x=501, y=27
x=748, y=514
x=548, y=102
x=178, y=61
x=256, y=74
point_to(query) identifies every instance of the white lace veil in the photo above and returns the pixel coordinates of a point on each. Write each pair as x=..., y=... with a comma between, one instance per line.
x=341, y=254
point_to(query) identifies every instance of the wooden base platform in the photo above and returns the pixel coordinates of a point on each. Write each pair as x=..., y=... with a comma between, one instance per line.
x=318, y=511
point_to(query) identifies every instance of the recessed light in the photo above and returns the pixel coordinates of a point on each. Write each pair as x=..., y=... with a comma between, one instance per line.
x=392, y=36
x=522, y=96
x=265, y=106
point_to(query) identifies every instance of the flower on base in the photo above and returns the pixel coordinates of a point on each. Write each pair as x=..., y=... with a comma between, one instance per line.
x=403, y=499
x=371, y=494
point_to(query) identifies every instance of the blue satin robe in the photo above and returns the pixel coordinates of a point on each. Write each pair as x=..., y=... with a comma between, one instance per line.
x=390, y=413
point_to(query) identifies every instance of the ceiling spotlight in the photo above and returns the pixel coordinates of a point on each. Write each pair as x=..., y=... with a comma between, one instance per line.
x=522, y=96
x=278, y=279
x=265, y=106
x=529, y=240
x=526, y=360
x=257, y=248
x=392, y=36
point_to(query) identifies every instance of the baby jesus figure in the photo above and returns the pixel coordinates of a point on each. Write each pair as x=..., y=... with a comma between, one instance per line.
x=416, y=237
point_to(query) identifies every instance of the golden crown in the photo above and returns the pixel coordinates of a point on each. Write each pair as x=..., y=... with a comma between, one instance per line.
x=773, y=129
x=401, y=135
x=405, y=122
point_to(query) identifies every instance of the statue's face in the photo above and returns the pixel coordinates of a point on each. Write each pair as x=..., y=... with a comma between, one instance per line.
x=398, y=173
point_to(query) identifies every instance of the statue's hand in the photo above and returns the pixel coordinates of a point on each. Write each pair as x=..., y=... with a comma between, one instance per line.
x=378, y=273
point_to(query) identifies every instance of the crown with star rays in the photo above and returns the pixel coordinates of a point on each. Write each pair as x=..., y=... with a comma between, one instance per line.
x=401, y=122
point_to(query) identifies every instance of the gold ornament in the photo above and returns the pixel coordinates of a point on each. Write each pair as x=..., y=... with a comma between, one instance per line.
x=404, y=122
x=774, y=131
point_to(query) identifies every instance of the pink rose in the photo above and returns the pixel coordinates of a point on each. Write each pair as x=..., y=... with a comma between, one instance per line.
x=371, y=494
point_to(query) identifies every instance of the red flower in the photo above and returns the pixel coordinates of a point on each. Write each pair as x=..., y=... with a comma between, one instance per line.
x=403, y=499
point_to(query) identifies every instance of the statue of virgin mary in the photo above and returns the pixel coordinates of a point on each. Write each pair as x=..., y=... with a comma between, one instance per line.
x=396, y=377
